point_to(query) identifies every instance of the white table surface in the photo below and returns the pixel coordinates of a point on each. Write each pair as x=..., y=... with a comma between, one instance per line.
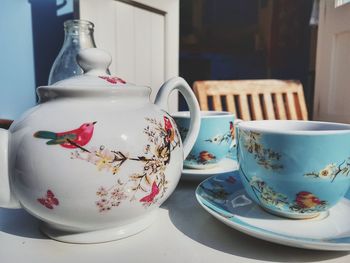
x=184, y=232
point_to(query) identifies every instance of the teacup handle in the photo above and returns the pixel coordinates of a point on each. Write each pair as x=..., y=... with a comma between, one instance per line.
x=237, y=137
x=233, y=145
x=234, y=141
x=162, y=101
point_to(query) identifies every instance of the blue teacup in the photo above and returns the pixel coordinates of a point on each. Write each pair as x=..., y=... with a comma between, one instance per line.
x=294, y=169
x=214, y=140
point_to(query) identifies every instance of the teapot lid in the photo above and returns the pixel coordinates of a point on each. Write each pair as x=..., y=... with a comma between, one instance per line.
x=95, y=63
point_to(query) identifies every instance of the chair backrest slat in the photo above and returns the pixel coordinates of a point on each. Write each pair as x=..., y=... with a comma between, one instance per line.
x=217, y=102
x=201, y=96
x=254, y=99
x=268, y=106
x=257, y=113
x=291, y=106
x=281, y=111
x=244, y=107
x=301, y=102
x=231, y=105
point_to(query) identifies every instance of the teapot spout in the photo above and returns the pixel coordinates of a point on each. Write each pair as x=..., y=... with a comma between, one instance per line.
x=6, y=198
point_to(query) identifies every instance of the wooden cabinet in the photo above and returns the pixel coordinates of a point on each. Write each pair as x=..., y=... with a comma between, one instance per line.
x=142, y=36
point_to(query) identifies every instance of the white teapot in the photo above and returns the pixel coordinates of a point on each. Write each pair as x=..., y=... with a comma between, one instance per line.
x=95, y=159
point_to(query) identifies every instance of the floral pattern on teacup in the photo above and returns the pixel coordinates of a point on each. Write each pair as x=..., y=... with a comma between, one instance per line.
x=226, y=137
x=331, y=171
x=216, y=191
x=203, y=158
x=223, y=137
x=304, y=202
x=266, y=194
x=265, y=157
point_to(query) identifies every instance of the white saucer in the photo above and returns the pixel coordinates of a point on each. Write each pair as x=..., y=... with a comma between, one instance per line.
x=224, y=166
x=223, y=196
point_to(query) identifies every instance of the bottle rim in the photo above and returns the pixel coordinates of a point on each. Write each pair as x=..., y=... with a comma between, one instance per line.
x=78, y=23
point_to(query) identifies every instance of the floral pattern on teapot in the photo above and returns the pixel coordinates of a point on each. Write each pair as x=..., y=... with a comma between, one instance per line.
x=49, y=200
x=113, y=80
x=147, y=185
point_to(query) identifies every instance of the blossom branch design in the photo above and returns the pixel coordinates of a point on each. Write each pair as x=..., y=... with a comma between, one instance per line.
x=151, y=179
x=331, y=171
x=265, y=157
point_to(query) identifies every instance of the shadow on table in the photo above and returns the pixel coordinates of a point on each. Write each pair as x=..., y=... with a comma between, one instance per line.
x=19, y=223
x=192, y=220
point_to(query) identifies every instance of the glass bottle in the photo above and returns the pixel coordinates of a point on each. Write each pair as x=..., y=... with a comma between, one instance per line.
x=78, y=36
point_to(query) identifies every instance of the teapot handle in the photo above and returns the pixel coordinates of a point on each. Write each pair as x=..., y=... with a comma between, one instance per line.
x=162, y=101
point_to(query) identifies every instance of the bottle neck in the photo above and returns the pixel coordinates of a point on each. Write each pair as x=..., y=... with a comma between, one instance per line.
x=82, y=40
x=79, y=33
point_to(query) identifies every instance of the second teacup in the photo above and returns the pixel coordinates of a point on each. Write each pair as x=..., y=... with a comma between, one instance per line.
x=214, y=141
x=294, y=169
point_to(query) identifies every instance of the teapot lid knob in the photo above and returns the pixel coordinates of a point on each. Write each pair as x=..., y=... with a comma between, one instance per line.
x=94, y=61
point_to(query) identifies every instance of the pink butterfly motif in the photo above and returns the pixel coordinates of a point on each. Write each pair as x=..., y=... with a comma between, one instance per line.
x=149, y=198
x=49, y=200
x=113, y=80
x=230, y=180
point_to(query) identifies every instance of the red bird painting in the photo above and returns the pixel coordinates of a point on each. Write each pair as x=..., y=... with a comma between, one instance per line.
x=205, y=157
x=307, y=200
x=69, y=139
x=149, y=198
x=169, y=130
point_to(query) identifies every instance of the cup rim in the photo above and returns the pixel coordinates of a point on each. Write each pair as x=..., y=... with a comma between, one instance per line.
x=258, y=126
x=204, y=114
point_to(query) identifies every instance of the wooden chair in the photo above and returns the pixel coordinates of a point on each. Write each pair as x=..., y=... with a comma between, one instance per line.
x=254, y=99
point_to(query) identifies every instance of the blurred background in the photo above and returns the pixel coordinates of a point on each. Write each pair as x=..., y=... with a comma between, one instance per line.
x=254, y=39
x=31, y=37
x=226, y=39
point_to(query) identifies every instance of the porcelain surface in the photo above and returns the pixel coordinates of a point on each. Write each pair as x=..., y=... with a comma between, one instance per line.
x=226, y=165
x=214, y=140
x=295, y=169
x=224, y=197
x=95, y=158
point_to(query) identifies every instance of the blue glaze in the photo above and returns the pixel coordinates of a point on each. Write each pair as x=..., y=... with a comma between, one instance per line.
x=217, y=193
x=294, y=174
x=214, y=140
